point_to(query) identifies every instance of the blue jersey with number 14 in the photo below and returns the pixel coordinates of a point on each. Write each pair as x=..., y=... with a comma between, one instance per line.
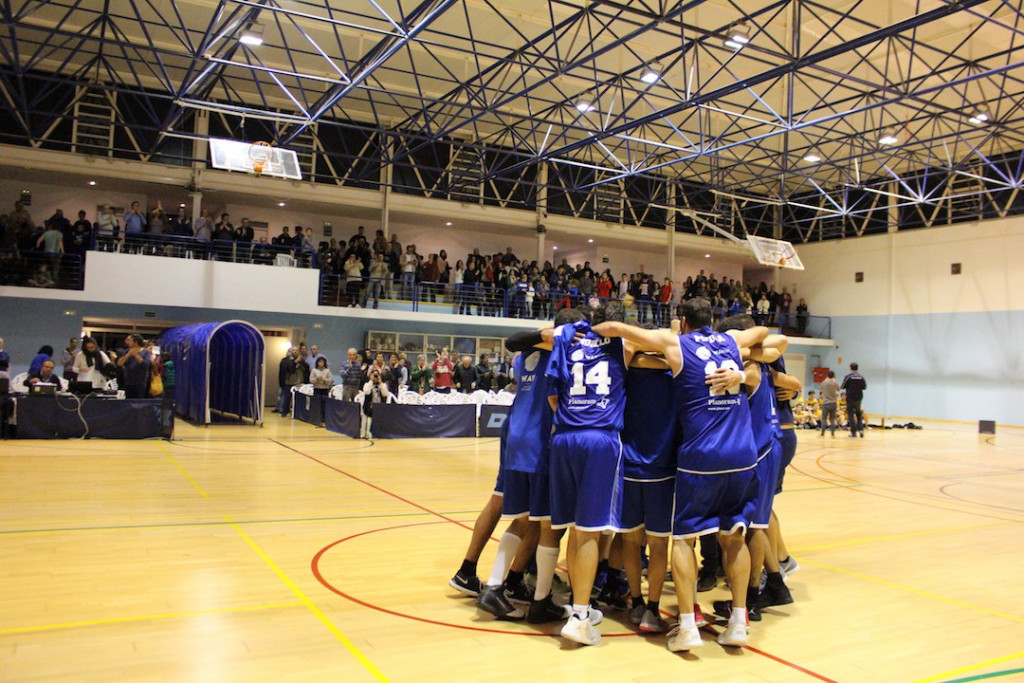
x=590, y=374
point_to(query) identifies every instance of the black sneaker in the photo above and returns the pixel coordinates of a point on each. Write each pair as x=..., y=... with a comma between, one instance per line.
x=467, y=585
x=610, y=598
x=492, y=600
x=723, y=609
x=520, y=595
x=545, y=611
x=774, y=594
x=706, y=581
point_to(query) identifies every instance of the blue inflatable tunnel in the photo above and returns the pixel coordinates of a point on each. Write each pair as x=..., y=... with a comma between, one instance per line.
x=219, y=368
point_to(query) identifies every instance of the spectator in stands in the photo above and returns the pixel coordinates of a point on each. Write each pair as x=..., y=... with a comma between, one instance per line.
x=485, y=373
x=409, y=261
x=315, y=355
x=244, y=232
x=351, y=375
x=44, y=354
x=5, y=362
x=89, y=363
x=442, y=368
x=42, y=277
x=20, y=225
x=379, y=273
x=785, y=303
x=135, y=362
x=224, y=231
x=52, y=243
x=181, y=225
x=108, y=228
x=45, y=375
x=78, y=241
x=801, y=316
x=284, y=239
x=203, y=226
x=157, y=220
x=399, y=372
x=465, y=376
x=67, y=359
x=353, y=279
x=763, y=309
x=421, y=376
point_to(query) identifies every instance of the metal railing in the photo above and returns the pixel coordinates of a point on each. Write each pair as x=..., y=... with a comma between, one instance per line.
x=176, y=246
x=26, y=268
x=343, y=291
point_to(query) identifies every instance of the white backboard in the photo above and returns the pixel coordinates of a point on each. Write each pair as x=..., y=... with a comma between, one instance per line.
x=234, y=155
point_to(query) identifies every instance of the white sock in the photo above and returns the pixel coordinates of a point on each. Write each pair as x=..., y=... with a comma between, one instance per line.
x=547, y=560
x=687, y=621
x=738, y=616
x=581, y=611
x=507, y=547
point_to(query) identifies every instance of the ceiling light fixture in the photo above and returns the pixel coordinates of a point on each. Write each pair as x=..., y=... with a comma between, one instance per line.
x=812, y=158
x=554, y=248
x=92, y=182
x=253, y=35
x=707, y=255
x=590, y=241
x=981, y=116
x=448, y=223
x=281, y=204
x=651, y=73
x=888, y=138
x=585, y=105
x=737, y=37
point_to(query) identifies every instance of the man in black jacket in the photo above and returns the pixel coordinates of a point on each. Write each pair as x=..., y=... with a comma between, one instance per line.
x=854, y=385
x=465, y=375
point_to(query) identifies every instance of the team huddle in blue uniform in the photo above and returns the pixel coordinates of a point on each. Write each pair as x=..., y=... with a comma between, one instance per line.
x=626, y=437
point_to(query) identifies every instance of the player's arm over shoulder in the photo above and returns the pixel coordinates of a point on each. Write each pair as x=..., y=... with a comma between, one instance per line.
x=750, y=337
x=648, y=361
x=528, y=339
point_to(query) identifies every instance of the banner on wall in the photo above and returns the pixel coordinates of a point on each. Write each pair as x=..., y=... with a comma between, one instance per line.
x=492, y=419
x=397, y=421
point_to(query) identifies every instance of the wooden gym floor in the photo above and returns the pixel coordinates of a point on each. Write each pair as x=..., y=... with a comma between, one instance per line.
x=289, y=553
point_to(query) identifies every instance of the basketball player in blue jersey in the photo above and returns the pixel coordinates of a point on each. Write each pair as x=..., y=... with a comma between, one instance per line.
x=649, y=454
x=715, y=487
x=589, y=373
x=525, y=475
x=786, y=388
x=760, y=391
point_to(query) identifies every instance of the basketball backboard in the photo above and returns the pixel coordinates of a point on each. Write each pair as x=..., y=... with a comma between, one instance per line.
x=235, y=155
x=778, y=253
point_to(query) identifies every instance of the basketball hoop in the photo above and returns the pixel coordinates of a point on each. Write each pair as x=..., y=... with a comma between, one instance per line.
x=260, y=154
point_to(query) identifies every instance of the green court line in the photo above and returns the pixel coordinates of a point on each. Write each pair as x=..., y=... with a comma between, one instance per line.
x=981, y=677
x=114, y=527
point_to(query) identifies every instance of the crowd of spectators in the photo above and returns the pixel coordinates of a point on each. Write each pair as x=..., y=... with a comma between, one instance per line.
x=35, y=255
x=366, y=270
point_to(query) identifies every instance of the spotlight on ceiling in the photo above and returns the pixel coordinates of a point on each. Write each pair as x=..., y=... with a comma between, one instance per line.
x=585, y=105
x=812, y=158
x=651, y=73
x=253, y=35
x=737, y=37
x=888, y=137
x=980, y=117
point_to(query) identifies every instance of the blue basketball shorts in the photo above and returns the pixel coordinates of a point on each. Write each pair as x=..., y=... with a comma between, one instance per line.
x=767, y=471
x=586, y=480
x=706, y=503
x=527, y=494
x=788, y=451
x=647, y=503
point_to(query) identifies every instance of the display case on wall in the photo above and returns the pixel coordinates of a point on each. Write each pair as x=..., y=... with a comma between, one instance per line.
x=413, y=344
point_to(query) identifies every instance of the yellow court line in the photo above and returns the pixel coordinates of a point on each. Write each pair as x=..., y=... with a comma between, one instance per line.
x=185, y=474
x=973, y=667
x=349, y=645
x=923, y=594
x=909, y=534
x=147, y=617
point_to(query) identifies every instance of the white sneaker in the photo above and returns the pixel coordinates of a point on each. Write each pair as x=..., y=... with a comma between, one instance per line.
x=581, y=631
x=636, y=613
x=653, y=623
x=680, y=640
x=789, y=566
x=734, y=635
